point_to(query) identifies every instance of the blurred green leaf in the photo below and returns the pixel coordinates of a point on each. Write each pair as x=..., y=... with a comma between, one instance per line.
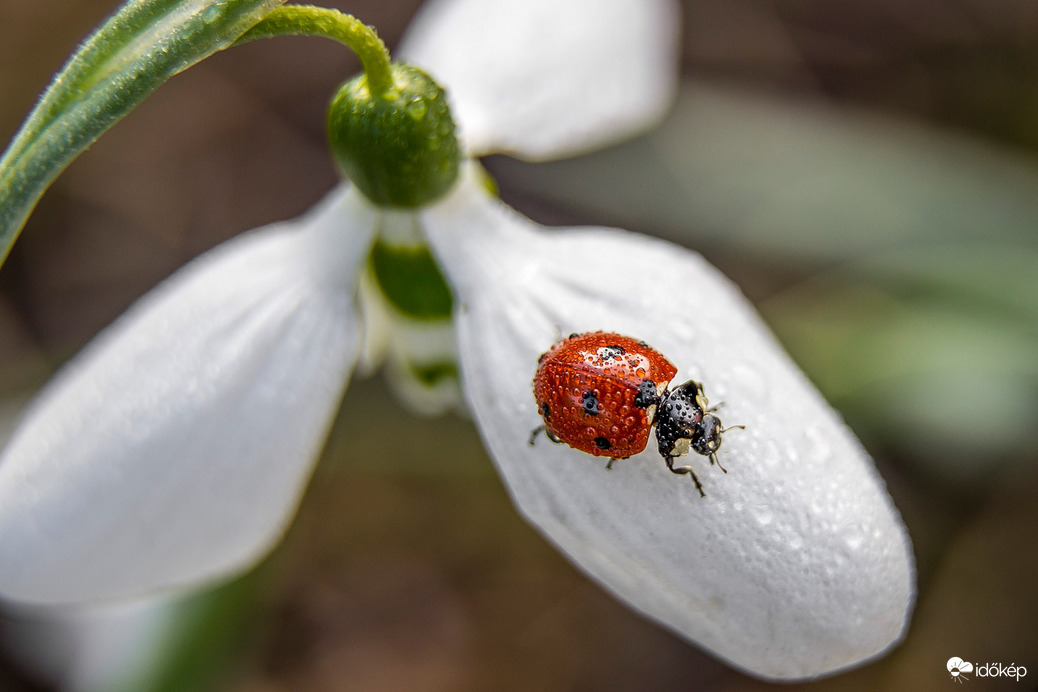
x=931, y=349
x=794, y=180
x=132, y=54
x=206, y=638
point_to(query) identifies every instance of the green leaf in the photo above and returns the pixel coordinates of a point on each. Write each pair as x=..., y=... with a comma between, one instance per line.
x=931, y=350
x=132, y=54
x=794, y=181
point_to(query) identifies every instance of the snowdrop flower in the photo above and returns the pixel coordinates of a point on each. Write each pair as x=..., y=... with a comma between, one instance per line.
x=174, y=449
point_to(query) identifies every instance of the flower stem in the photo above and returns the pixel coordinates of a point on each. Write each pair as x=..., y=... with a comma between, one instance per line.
x=307, y=20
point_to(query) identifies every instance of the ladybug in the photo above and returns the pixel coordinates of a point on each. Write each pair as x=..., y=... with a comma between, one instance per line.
x=602, y=392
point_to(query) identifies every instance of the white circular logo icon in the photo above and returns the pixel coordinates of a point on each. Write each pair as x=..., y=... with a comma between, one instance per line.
x=957, y=668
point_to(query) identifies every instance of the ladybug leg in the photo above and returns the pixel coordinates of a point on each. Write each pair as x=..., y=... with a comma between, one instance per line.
x=715, y=460
x=547, y=433
x=686, y=469
x=609, y=465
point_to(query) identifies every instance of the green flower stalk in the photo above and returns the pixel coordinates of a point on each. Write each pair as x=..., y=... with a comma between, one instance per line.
x=122, y=63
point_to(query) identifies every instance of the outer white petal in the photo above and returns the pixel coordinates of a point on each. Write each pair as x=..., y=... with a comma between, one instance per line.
x=175, y=447
x=795, y=564
x=101, y=647
x=545, y=79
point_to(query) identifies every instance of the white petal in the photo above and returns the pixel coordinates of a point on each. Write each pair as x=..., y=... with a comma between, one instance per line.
x=111, y=646
x=419, y=355
x=795, y=564
x=176, y=446
x=545, y=79
x=420, y=367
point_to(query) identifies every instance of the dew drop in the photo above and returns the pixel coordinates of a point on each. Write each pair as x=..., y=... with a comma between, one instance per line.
x=417, y=108
x=749, y=382
x=854, y=536
x=770, y=454
x=762, y=514
x=817, y=446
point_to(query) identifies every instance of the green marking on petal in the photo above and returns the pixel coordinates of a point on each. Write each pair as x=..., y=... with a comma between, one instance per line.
x=487, y=181
x=432, y=374
x=411, y=281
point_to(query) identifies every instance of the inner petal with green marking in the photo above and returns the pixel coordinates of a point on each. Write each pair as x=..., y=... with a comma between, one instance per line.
x=410, y=280
x=407, y=307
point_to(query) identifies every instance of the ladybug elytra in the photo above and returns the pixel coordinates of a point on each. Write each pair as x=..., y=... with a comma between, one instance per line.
x=602, y=392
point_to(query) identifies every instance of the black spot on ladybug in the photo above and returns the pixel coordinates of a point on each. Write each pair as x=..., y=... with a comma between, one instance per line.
x=574, y=335
x=611, y=352
x=546, y=410
x=603, y=443
x=590, y=403
x=646, y=395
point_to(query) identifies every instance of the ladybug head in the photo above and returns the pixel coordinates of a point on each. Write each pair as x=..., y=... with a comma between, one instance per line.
x=707, y=439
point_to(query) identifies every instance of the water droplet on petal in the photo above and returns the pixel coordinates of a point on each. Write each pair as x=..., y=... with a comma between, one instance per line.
x=762, y=514
x=816, y=445
x=854, y=536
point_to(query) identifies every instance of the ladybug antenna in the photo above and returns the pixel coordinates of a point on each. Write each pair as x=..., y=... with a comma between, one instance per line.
x=713, y=455
x=715, y=460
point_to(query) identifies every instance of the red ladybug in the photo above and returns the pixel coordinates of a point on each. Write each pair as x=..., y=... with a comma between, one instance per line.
x=601, y=393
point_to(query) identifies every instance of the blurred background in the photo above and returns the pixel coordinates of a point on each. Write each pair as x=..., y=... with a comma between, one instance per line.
x=867, y=172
